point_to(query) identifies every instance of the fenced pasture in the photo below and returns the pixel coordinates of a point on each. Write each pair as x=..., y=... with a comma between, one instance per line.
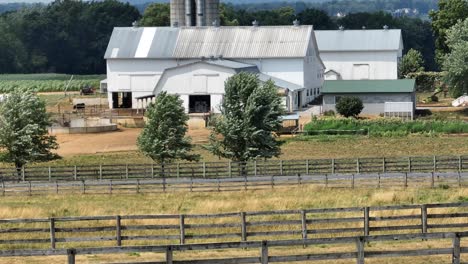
x=138, y=230
x=215, y=170
x=163, y=184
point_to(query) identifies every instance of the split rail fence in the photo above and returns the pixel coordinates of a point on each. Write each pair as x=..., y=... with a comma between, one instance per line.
x=236, y=169
x=455, y=250
x=102, y=231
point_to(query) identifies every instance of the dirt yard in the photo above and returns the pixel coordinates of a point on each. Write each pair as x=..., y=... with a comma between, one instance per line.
x=122, y=140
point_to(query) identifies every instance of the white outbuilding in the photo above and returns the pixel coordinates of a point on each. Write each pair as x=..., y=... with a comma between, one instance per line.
x=360, y=54
x=194, y=62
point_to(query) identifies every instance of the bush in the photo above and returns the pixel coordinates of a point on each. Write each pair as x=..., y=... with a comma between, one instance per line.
x=426, y=81
x=349, y=106
x=329, y=113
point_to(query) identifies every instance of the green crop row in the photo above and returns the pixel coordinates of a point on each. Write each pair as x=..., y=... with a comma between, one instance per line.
x=46, y=85
x=48, y=77
x=387, y=127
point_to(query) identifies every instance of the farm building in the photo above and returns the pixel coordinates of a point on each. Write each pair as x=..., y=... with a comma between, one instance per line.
x=360, y=54
x=380, y=97
x=194, y=62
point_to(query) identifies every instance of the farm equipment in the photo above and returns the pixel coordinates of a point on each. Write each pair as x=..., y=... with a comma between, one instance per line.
x=88, y=90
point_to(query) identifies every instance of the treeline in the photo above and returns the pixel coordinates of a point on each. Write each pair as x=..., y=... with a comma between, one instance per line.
x=65, y=36
x=340, y=6
x=417, y=33
x=70, y=36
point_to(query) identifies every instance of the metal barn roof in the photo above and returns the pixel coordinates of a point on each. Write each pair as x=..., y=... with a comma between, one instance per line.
x=198, y=42
x=359, y=40
x=368, y=86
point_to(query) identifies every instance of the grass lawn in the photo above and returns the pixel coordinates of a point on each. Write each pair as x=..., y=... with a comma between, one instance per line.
x=313, y=148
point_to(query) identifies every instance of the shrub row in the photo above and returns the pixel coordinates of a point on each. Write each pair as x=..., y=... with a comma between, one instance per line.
x=387, y=127
x=45, y=85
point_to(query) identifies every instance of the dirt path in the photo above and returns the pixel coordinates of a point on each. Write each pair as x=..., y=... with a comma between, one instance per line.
x=122, y=140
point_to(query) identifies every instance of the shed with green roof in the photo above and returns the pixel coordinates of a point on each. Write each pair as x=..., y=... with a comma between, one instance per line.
x=375, y=94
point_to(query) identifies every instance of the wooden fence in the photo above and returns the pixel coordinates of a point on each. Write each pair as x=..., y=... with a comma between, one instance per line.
x=101, y=231
x=236, y=169
x=360, y=253
x=163, y=184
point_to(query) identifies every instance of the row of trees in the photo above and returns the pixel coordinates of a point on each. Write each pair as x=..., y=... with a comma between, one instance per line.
x=65, y=36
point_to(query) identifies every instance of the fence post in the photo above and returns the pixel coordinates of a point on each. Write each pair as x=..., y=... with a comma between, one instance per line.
x=304, y=224
x=424, y=218
x=169, y=255
x=352, y=181
x=406, y=179
x=110, y=186
x=50, y=174
x=23, y=174
x=434, y=168
x=360, y=250
x=456, y=249
x=307, y=167
x=378, y=180
x=126, y=171
x=138, y=186
x=178, y=170
x=204, y=169
x=118, y=230
x=384, y=169
x=71, y=255
x=358, y=167
x=230, y=169
x=75, y=173
x=30, y=188
x=326, y=180
x=255, y=167
x=83, y=187
x=409, y=164
x=152, y=170
x=264, y=252
x=281, y=167
x=52, y=233
x=182, y=229
x=100, y=172
x=460, y=163
x=243, y=227
x=333, y=166
x=366, y=220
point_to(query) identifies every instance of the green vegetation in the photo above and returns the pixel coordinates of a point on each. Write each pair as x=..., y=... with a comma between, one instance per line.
x=455, y=63
x=349, y=106
x=250, y=114
x=23, y=129
x=163, y=137
x=46, y=82
x=389, y=127
x=410, y=63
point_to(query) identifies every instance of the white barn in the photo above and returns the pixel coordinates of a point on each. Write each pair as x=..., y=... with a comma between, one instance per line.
x=194, y=62
x=360, y=54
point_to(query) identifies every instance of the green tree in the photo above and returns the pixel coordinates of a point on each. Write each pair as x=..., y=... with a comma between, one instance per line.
x=349, y=106
x=448, y=14
x=410, y=63
x=318, y=18
x=456, y=62
x=250, y=114
x=163, y=137
x=24, y=129
x=156, y=15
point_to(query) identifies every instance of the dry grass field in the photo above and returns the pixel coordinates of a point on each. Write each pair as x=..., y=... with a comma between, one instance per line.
x=196, y=203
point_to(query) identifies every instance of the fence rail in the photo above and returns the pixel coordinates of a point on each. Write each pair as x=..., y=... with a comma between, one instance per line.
x=360, y=253
x=236, y=169
x=156, y=185
x=101, y=231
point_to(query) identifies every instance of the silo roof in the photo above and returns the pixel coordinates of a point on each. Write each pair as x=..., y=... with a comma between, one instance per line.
x=199, y=42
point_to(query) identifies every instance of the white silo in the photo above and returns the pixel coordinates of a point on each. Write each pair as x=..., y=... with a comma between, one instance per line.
x=194, y=12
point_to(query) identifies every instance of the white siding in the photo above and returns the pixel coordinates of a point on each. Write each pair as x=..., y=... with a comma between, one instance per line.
x=376, y=65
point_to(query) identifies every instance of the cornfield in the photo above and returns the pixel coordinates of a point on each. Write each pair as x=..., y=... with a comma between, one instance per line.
x=46, y=82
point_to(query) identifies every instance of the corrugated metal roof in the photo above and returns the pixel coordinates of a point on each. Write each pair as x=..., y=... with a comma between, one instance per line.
x=279, y=82
x=198, y=42
x=230, y=64
x=369, y=86
x=359, y=40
